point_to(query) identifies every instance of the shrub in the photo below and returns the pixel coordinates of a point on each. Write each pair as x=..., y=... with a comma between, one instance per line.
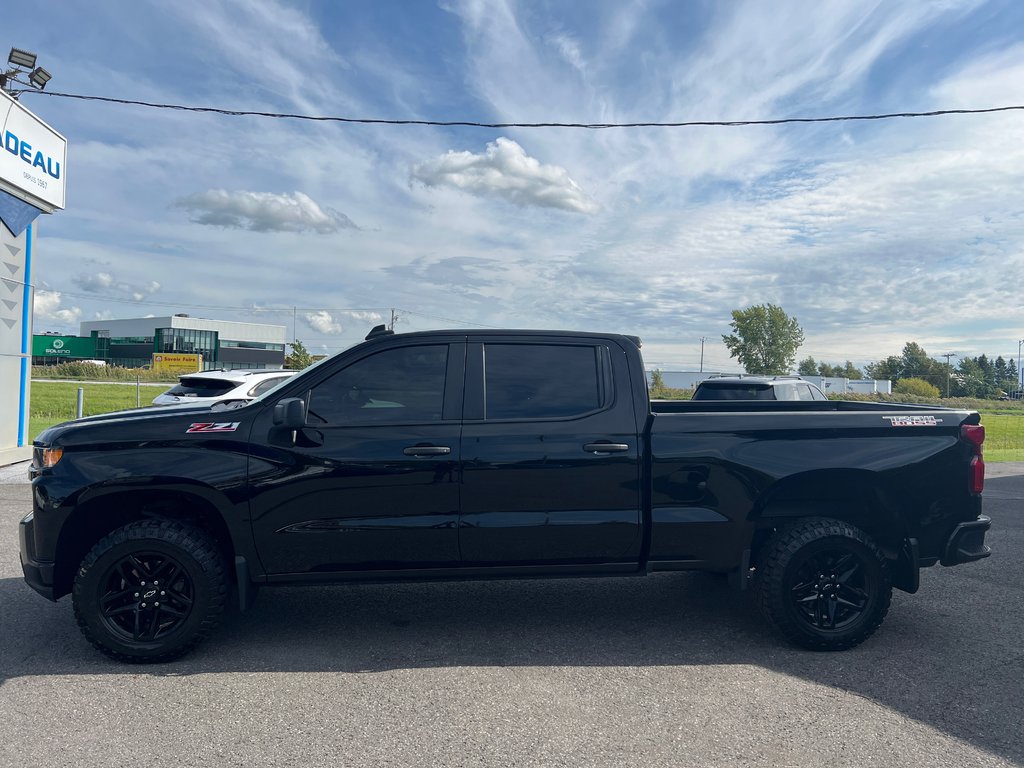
x=916, y=387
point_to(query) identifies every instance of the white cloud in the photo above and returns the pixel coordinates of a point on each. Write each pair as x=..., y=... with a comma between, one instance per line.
x=101, y=281
x=263, y=212
x=104, y=282
x=47, y=309
x=323, y=322
x=504, y=170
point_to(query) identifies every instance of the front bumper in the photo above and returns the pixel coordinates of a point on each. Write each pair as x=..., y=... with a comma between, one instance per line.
x=967, y=542
x=38, y=574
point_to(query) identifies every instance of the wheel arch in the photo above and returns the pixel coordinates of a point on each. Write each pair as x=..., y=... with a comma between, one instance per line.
x=101, y=510
x=857, y=497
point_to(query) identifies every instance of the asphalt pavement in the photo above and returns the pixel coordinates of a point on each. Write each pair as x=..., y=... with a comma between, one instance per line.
x=671, y=670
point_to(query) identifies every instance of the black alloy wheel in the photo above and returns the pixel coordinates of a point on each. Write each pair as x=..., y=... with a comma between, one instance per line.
x=824, y=584
x=150, y=591
x=146, y=596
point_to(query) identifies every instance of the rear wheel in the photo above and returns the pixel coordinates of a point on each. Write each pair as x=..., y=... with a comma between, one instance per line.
x=150, y=591
x=824, y=584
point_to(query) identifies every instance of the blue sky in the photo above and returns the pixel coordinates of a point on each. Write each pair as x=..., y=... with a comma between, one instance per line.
x=871, y=234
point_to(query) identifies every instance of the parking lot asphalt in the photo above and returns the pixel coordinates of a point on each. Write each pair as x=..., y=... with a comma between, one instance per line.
x=670, y=670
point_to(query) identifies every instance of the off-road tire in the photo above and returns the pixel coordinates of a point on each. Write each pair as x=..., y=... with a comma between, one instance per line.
x=117, y=592
x=824, y=584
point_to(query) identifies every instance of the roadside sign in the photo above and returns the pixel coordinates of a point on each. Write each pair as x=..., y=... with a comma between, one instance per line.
x=178, y=364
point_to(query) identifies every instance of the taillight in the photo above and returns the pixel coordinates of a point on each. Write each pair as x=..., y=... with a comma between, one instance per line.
x=974, y=435
x=976, y=479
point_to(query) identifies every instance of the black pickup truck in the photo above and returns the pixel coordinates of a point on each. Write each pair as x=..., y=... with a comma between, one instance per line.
x=497, y=454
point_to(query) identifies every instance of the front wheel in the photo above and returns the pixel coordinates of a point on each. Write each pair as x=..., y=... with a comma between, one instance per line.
x=824, y=584
x=150, y=591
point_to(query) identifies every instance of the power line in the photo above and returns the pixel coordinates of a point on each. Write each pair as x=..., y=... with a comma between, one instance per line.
x=552, y=124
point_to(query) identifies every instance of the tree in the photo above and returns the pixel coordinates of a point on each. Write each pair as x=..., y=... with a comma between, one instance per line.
x=808, y=367
x=852, y=372
x=658, y=389
x=829, y=371
x=764, y=339
x=299, y=357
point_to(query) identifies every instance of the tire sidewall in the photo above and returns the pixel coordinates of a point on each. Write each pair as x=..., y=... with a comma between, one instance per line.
x=790, y=550
x=90, y=582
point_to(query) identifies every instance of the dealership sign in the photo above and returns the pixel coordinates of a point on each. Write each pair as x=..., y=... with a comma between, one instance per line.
x=33, y=157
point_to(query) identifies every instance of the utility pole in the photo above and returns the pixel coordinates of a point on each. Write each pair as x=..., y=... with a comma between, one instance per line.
x=394, y=319
x=948, y=369
x=295, y=313
x=702, y=340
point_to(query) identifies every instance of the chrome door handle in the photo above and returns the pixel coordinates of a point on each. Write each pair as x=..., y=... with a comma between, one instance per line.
x=427, y=450
x=605, y=447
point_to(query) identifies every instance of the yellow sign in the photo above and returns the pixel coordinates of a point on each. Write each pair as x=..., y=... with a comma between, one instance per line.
x=177, y=364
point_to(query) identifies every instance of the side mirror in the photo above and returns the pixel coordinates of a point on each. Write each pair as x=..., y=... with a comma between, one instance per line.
x=290, y=413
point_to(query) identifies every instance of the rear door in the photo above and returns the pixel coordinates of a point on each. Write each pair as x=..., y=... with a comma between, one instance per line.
x=550, y=454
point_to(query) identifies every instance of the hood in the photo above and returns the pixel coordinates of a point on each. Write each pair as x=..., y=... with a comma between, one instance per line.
x=135, y=418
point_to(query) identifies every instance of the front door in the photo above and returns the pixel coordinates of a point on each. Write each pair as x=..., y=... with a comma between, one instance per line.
x=372, y=481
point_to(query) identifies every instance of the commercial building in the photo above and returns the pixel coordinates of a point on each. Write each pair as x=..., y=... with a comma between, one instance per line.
x=222, y=343
x=133, y=342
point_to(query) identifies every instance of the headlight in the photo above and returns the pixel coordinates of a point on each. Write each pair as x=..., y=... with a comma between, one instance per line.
x=51, y=456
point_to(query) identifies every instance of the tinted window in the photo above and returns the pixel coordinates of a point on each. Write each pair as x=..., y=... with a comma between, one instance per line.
x=196, y=387
x=541, y=381
x=266, y=385
x=397, y=385
x=733, y=392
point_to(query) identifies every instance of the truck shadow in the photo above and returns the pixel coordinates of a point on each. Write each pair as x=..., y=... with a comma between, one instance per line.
x=949, y=657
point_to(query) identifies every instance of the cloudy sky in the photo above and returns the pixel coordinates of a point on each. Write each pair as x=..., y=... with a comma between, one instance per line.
x=870, y=233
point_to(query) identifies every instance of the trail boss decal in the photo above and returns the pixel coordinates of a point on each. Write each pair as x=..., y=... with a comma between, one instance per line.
x=219, y=426
x=913, y=421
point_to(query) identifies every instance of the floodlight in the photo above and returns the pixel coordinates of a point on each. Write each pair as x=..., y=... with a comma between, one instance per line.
x=20, y=58
x=39, y=78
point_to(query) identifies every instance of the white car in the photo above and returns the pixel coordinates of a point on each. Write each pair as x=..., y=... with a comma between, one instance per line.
x=211, y=387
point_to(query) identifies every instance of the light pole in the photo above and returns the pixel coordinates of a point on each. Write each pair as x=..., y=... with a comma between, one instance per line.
x=1020, y=369
x=23, y=63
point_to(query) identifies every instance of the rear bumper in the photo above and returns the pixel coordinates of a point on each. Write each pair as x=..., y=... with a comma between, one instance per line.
x=38, y=574
x=967, y=542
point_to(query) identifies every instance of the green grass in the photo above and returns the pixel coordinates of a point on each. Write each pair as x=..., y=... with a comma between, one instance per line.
x=54, y=402
x=1004, y=436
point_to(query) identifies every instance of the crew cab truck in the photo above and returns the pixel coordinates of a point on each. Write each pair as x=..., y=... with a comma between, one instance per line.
x=497, y=454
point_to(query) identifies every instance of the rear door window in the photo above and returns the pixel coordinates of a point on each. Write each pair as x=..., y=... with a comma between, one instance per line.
x=544, y=381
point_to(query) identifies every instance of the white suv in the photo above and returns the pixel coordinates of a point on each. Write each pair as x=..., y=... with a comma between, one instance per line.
x=211, y=387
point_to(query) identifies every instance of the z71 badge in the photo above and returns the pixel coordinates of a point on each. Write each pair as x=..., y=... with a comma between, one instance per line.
x=913, y=421
x=219, y=426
